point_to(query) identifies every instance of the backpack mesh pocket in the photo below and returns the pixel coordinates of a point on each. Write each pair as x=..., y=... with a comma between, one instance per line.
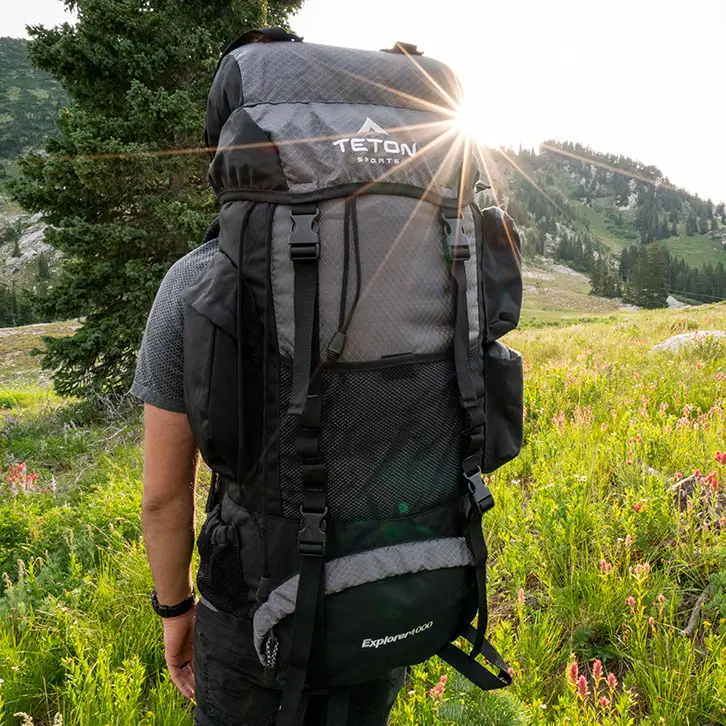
x=390, y=439
x=220, y=579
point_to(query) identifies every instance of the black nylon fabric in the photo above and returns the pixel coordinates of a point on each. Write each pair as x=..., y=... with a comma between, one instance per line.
x=500, y=270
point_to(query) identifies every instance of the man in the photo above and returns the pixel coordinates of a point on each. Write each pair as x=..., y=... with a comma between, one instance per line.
x=210, y=655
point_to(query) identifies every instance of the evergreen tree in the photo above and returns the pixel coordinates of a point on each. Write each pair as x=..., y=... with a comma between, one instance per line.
x=122, y=215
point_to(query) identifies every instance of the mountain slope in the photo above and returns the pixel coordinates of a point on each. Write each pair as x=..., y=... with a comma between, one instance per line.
x=30, y=101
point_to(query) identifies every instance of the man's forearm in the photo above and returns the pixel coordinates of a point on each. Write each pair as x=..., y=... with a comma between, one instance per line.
x=170, y=471
x=169, y=538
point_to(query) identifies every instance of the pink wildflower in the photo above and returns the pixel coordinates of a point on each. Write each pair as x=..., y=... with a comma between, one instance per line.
x=628, y=540
x=651, y=621
x=631, y=602
x=612, y=681
x=661, y=598
x=604, y=701
x=437, y=691
x=605, y=567
x=638, y=506
x=597, y=670
x=572, y=673
x=582, y=690
x=520, y=596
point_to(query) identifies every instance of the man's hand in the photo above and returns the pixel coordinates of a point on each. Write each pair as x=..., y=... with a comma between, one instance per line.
x=178, y=640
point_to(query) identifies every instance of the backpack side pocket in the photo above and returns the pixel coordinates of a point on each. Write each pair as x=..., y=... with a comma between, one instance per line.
x=504, y=381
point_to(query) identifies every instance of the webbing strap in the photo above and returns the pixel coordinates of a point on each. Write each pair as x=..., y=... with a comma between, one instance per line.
x=479, y=550
x=304, y=251
x=458, y=252
x=303, y=629
x=475, y=672
x=308, y=630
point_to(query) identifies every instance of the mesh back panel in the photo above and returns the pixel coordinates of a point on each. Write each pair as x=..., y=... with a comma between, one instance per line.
x=390, y=441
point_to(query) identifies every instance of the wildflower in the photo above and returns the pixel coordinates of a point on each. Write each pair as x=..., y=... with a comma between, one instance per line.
x=603, y=427
x=605, y=567
x=697, y=473
x=639, y=439
x=628, y=540
x=510, y=670
x=582, y=690
x=661, y=598
x=612, y=681
x=631, y=602
x=668, y=428
x=651, y=621
x=438, y=690
x=597, y=671
x=520, y=596
x=643, y=569
x=662, y=410
x=638, y=506
x=628, y=461
x=604, y=701
x=572, y=673
x=678, y=476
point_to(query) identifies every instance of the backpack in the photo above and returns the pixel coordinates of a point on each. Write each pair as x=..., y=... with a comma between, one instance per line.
x=343, y=375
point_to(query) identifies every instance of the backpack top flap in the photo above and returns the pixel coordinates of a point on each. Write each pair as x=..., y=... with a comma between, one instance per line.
x=292, y=120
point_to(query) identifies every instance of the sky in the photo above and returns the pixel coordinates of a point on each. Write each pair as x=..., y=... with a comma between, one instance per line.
x=642, y=78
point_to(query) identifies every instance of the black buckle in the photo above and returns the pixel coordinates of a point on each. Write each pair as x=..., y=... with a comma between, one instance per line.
x=312, y=536
x=481, y=495
x=457, y=243
x=304, y=239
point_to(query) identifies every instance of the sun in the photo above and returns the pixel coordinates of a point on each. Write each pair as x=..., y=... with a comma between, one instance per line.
x=471, y=121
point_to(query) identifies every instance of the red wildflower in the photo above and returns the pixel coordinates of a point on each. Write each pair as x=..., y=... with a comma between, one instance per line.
x=604, y=701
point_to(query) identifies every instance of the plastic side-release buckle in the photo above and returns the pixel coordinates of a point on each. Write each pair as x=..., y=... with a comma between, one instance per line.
x=304, y=238
x=312, y=536
x=480, y=494
x=457, y=243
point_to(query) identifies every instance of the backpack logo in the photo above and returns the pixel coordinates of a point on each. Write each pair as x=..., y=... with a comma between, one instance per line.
x=376, y=643
x=371, y=127
x=371, y=147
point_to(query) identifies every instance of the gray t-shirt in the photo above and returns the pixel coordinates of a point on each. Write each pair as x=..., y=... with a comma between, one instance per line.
x=159, y=378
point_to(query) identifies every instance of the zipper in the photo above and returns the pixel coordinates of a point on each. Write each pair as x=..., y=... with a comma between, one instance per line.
x=271, y=648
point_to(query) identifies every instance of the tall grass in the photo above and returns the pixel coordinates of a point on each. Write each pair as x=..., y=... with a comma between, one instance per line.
x=606, y=531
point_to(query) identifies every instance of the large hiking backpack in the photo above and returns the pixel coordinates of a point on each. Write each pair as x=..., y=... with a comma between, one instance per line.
x=343, y=376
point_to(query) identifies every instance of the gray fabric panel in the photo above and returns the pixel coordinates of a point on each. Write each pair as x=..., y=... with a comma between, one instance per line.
x=354, y=570
x=321, y=145
x=406, y=303
x=307, y=72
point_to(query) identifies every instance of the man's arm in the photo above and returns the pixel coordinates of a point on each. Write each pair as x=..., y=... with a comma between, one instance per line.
x=170, y=469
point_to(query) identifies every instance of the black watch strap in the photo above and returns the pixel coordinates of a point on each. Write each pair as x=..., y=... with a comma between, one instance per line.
x=172, y=611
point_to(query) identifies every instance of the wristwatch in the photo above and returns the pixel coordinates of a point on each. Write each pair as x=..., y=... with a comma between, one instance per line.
x=172, y=611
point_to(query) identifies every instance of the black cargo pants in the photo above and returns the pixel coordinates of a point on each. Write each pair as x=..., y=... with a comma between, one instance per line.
x=228, y=678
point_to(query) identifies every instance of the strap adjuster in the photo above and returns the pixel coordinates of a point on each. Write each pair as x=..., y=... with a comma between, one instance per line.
x=480, y=494
x=312, y=536
x=457, y=243
x=304, y=239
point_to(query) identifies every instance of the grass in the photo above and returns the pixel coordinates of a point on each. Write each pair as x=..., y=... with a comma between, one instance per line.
x=696, y=250
x=601, y=541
